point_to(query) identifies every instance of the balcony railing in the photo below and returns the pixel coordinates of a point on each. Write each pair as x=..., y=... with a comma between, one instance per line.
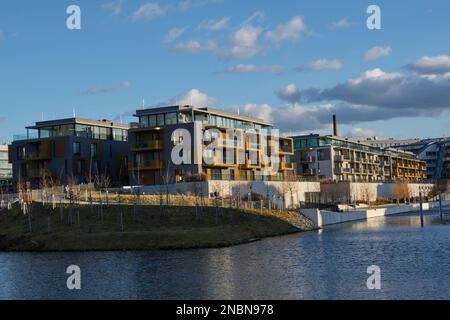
x=147, y=165
x=149, y=145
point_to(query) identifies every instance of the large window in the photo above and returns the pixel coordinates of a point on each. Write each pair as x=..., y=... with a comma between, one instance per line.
x=171, y=118
x=64, y=130
x=185, y=118
x=94, y=150
x=160, y=120
x=120, y=135
x=105, y=133
x=143, y=121
x=152, y=121
x=76, y=148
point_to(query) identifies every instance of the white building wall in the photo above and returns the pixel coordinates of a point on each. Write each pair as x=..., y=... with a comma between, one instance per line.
x=367, y=191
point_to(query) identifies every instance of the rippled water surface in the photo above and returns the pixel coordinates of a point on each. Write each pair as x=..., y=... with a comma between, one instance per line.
x=328, y=264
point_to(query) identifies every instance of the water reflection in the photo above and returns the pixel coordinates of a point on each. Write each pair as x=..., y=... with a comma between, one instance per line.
x=328, y=264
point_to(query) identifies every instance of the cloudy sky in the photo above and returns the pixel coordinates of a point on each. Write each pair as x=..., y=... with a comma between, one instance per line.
x=292, y=62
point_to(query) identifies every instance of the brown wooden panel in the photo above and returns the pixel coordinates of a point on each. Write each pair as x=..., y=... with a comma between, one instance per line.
x=59, y=149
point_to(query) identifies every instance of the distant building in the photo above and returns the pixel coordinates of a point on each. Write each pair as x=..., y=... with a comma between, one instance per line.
x=390, y=143
x=5, y=170
x=71, y=149
x=341, y=159
x=436, y=153
x=237, y=158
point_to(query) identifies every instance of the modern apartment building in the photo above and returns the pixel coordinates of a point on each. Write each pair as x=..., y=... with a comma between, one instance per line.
x=436, y=153
x=239, y=153
x=71, y=149
x=341, y=159
x=390, y=143
x=5, y=170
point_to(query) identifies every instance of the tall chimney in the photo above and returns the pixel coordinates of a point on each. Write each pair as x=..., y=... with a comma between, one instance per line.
x=335, y=131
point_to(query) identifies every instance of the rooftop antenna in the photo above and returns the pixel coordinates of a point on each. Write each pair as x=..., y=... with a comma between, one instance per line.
x=42, y=116
x=238, y=111
x=121, y=119
x=143, y=104
x=74, y=113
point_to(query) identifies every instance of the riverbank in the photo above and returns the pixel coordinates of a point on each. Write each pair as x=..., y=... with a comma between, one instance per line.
x=97, y=228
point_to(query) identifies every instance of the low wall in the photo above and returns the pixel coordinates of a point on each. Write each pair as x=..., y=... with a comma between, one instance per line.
x=323, y=218
x=280, y=193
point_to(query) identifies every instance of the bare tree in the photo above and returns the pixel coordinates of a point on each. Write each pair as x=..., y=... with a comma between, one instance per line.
x=401, y=190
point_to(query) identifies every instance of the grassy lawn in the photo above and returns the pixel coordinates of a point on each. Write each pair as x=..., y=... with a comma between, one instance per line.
x=135, y=228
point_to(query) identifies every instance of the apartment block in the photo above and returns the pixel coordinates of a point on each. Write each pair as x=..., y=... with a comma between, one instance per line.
x=239, y=155
x=434, y=151
x=340, y=159
x=72, y=149
x=5, y=170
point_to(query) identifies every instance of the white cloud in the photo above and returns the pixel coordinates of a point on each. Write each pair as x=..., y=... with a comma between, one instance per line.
x=115, y=6
x=186, y=5
x=148, y=11
x=174, y=34
x=322, y=64
x=375, y=75
x=388, y=94
x=437, y=65
x=252, y=68
x=293, y=118
x=362, y=134
x=377, y=52
x=261, y=111
x=214, y=25
x=341, y=24
x=291, y=30
x=195, y=47
x=244, y=43
x=291, y=93
x=256, y=16
x=194, y=97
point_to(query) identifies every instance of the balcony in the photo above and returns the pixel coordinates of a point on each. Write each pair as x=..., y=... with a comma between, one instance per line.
x=148, y=165
x=148, y=146
x=255, y=164
x=308, y=159
x=38, y=155
x=219, y=162
x=286, y=166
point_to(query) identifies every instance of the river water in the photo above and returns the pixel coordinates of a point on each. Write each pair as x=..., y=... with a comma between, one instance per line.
x=327, y=264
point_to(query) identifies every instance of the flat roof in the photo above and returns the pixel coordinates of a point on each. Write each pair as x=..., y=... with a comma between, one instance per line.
x=187, y=108
x=89, y=122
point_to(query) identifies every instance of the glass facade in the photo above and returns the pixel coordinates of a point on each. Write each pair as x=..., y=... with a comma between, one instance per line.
x=5, y=167
x=316, y=141
x=80, y=130
x=172, y=118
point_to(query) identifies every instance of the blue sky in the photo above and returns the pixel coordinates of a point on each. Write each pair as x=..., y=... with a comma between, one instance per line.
x=292, y=62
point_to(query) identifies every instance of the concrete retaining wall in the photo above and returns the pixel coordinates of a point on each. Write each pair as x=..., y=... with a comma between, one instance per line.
x=325, y=218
